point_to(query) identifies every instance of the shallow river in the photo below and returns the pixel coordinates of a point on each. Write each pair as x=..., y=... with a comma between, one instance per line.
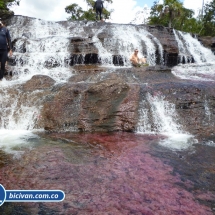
x=110, y=173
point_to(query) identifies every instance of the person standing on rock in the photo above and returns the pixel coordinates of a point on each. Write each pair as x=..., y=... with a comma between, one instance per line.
x=5, y=41
x=136, y=61
x=98, y=7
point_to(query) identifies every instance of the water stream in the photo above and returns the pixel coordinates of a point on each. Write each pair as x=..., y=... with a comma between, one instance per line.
x=203, y=68
x=103, y=173
x=157, y=116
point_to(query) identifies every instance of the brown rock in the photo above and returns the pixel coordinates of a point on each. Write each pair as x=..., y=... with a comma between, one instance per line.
x=38, y=82
x=109, y=105
x=61, y=112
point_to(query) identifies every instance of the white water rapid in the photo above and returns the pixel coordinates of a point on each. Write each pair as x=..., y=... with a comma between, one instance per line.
x=125, y=39
x=203, y=68
x=157, y=116
x=46, y=53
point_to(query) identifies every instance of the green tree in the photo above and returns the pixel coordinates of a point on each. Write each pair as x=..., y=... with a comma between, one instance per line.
x=171, y=13
x=5, y=5
x=208, y=27
x=77, y=13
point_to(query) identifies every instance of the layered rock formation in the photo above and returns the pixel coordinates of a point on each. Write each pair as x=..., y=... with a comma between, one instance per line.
x=98, y=98
x=90, y=101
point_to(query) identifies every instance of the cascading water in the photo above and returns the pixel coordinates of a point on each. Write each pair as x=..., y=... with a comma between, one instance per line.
x=125, y=39
x=104, y=54
x=199, y=53
x=43, y=49
x=203, y=67
x=40, y=50
x=20, y=114
x=184, y=54
x=157, y=116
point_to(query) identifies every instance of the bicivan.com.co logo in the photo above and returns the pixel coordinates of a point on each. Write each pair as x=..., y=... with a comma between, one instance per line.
x=30, y=195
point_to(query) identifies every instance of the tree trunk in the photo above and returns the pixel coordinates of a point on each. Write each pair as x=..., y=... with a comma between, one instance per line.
x=170, y=18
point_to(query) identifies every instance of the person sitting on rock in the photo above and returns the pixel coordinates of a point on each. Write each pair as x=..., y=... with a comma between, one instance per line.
x=98, y=6
x=136, y=61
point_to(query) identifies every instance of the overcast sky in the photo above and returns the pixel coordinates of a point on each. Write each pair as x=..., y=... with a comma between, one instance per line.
x=54, y=10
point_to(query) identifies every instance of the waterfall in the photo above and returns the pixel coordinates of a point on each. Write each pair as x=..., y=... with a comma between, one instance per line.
x=18, y=110
x=44, y=44
x=199, y=52
x=203, y=68
x=42, y=49
x=207, y=110
x=184, y=55
x=127, y=38
x=123, y=40
x=158, y=116
x=104, y=54
x=209, y=116
x=188, y=45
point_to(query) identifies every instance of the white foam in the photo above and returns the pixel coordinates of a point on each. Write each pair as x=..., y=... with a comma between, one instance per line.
x=158, y=116
x=178, y=141
x=198, y=72
x=210, y=143
x=11, y=141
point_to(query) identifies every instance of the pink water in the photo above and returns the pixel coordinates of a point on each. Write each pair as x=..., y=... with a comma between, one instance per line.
x=101, y=174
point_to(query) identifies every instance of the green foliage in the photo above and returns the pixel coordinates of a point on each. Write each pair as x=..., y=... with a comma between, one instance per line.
x=5, y=8
x=191, y=25
x=5, y=4
x=77, y=13
x=165, y=13
x=172, y=13
x=208, y=26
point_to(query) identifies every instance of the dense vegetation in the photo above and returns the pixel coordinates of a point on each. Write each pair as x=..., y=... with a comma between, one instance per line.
x=208, y=21
x=173, y=14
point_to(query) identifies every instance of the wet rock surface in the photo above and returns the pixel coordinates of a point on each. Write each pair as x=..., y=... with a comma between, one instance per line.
x=38, y=82
x=95, y=100
x=109, y=99
x=208, y=42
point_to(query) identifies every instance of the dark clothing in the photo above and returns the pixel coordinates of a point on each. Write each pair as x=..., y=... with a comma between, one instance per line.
x=3, y=59
x=98, y=4
x=99, y=13
x=98, y=7
x=5, y=42
x=5, y=38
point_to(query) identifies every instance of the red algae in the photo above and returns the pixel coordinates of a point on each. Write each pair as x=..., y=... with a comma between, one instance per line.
x=102, y=174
